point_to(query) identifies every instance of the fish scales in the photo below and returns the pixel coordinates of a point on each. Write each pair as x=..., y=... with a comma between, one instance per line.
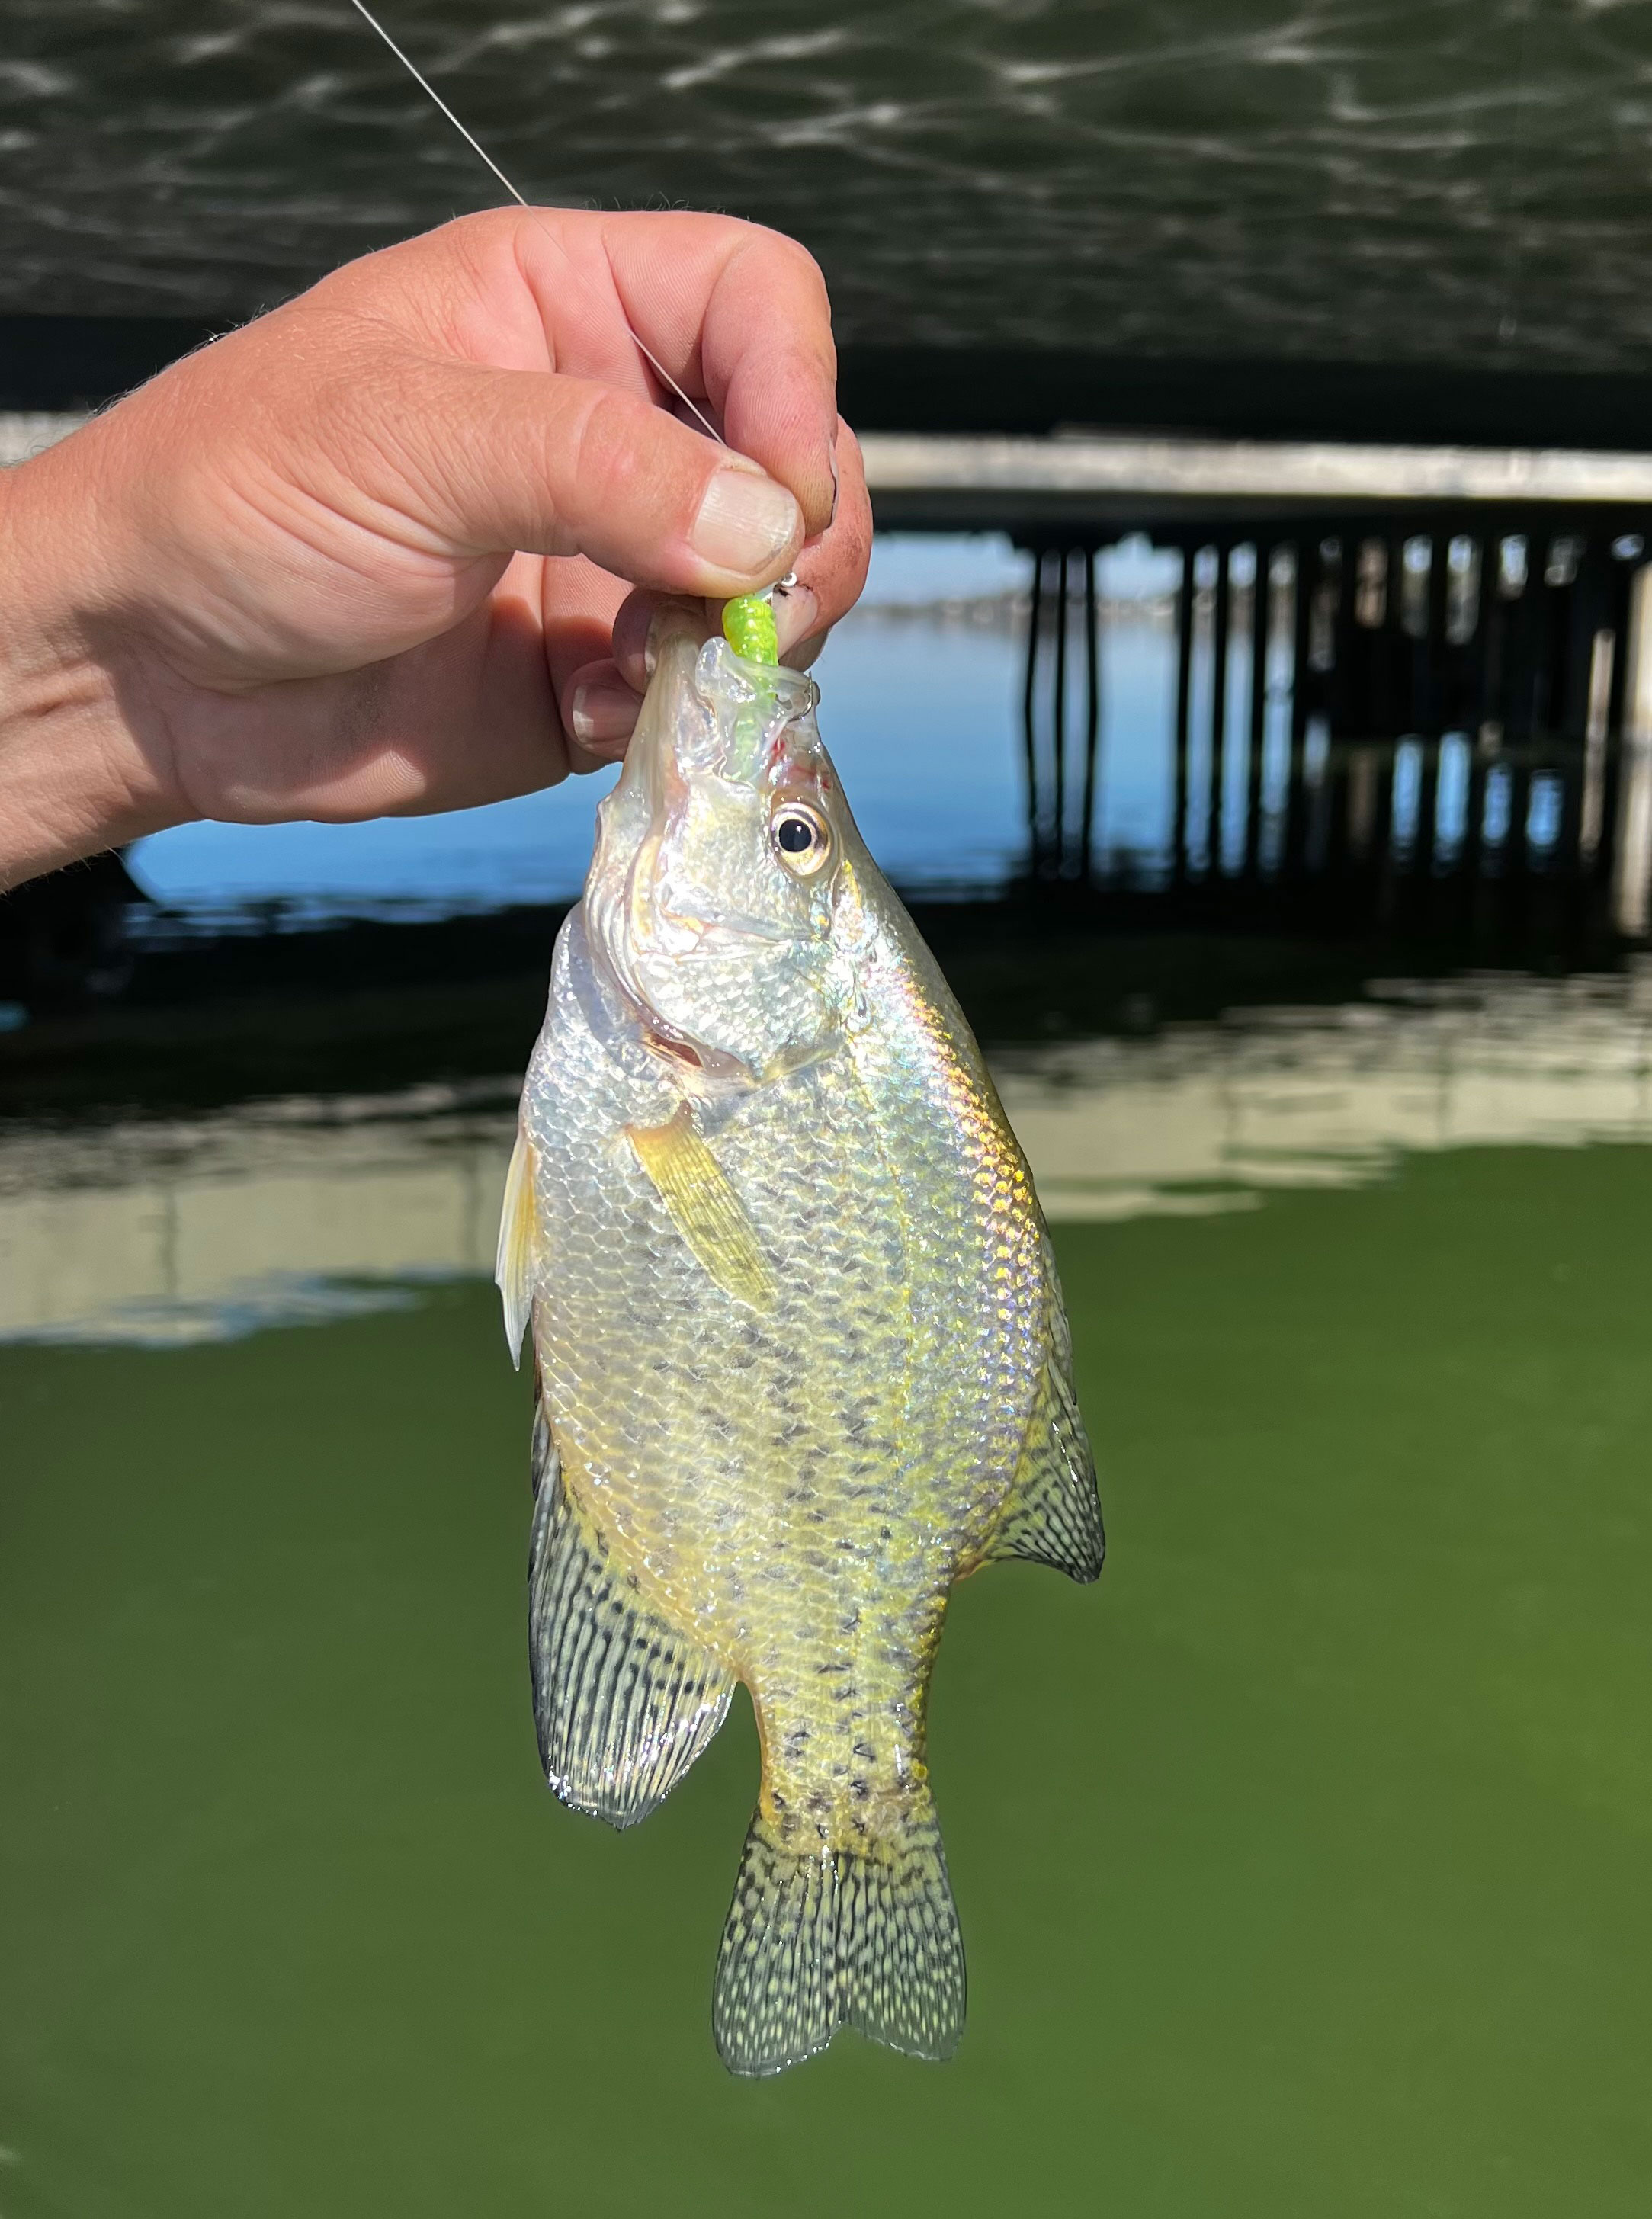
x=801, y=1359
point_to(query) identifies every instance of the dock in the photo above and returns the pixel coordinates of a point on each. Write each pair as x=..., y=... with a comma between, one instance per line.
x=1488, y=611
x=943, y=483
x=1361, y=631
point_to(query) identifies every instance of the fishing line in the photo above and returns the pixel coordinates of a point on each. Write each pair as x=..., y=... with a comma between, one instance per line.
x=1507, y=316
x=476, y=146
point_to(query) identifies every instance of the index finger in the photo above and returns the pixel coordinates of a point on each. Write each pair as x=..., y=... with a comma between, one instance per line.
x=739, y=315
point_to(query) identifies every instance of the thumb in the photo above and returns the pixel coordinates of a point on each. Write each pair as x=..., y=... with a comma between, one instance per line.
x=498, y=462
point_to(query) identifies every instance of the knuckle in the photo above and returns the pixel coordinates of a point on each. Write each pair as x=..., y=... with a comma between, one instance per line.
x=484, y=232
x=778, y=248
x=805, y=265
x=482, y=250
x=607, y=450
x=794, y=253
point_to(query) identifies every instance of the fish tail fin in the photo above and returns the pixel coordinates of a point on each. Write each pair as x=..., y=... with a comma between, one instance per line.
x=822, y=1938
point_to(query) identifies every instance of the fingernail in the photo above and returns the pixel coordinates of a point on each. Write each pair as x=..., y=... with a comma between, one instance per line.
x=602, y=711
x=797, y=614
x=837, y=483
x=745, y=523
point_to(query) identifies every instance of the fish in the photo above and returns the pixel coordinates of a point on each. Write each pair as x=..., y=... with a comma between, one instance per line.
x=801, y=1358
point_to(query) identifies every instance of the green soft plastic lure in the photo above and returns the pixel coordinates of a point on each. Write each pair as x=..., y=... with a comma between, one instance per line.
x=749, y=627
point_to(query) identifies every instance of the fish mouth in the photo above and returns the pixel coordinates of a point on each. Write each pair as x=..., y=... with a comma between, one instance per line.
x=682, y=850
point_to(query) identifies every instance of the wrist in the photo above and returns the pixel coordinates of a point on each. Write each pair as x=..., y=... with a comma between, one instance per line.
x=82, y=766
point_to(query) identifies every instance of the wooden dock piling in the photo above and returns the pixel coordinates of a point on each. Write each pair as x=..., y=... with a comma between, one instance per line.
x=1521, y=657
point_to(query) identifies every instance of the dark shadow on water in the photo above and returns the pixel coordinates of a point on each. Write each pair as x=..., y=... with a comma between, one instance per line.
x=369, y=1005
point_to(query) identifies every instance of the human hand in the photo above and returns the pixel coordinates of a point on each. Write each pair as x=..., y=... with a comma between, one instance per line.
x=394, y=547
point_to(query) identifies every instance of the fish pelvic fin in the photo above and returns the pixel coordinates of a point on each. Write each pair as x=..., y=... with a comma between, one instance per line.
x=1053, y=1512
x=513, y=1261
x=623, y=1703
x=818, y=1938
x=704, y=1206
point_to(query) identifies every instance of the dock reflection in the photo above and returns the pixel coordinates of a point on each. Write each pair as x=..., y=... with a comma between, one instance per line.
x=168, y=1231
x=1401, y=722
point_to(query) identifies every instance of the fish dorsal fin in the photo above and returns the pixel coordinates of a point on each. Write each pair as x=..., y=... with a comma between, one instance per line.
x=624, y=1703
x=1053, y=1514
x=704, y=1206
x=513, y=1264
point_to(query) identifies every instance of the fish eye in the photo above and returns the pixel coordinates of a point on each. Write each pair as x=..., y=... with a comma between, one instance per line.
x=802, y=836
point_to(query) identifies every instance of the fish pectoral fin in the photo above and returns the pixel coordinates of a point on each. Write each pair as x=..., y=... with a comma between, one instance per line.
x=1053, y=1513
x=704, y=1206
x=513, y=1260
x=623, y=1703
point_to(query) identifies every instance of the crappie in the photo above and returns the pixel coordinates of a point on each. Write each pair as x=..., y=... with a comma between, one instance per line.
x=801, y=1355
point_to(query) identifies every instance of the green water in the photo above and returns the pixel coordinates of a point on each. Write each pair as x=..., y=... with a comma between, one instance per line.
x=1302, y=1864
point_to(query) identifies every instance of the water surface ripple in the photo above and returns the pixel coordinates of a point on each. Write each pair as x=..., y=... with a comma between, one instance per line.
x=1465, y=181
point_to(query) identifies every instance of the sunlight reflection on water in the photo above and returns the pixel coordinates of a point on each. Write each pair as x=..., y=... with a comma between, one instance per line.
x=1433, y=184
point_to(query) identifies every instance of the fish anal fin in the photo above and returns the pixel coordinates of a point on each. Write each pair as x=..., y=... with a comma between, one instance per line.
x=704, y=1206
x=1053, y=1513
x=622, y=1702
x=513, y=1261
x=831, y=1937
